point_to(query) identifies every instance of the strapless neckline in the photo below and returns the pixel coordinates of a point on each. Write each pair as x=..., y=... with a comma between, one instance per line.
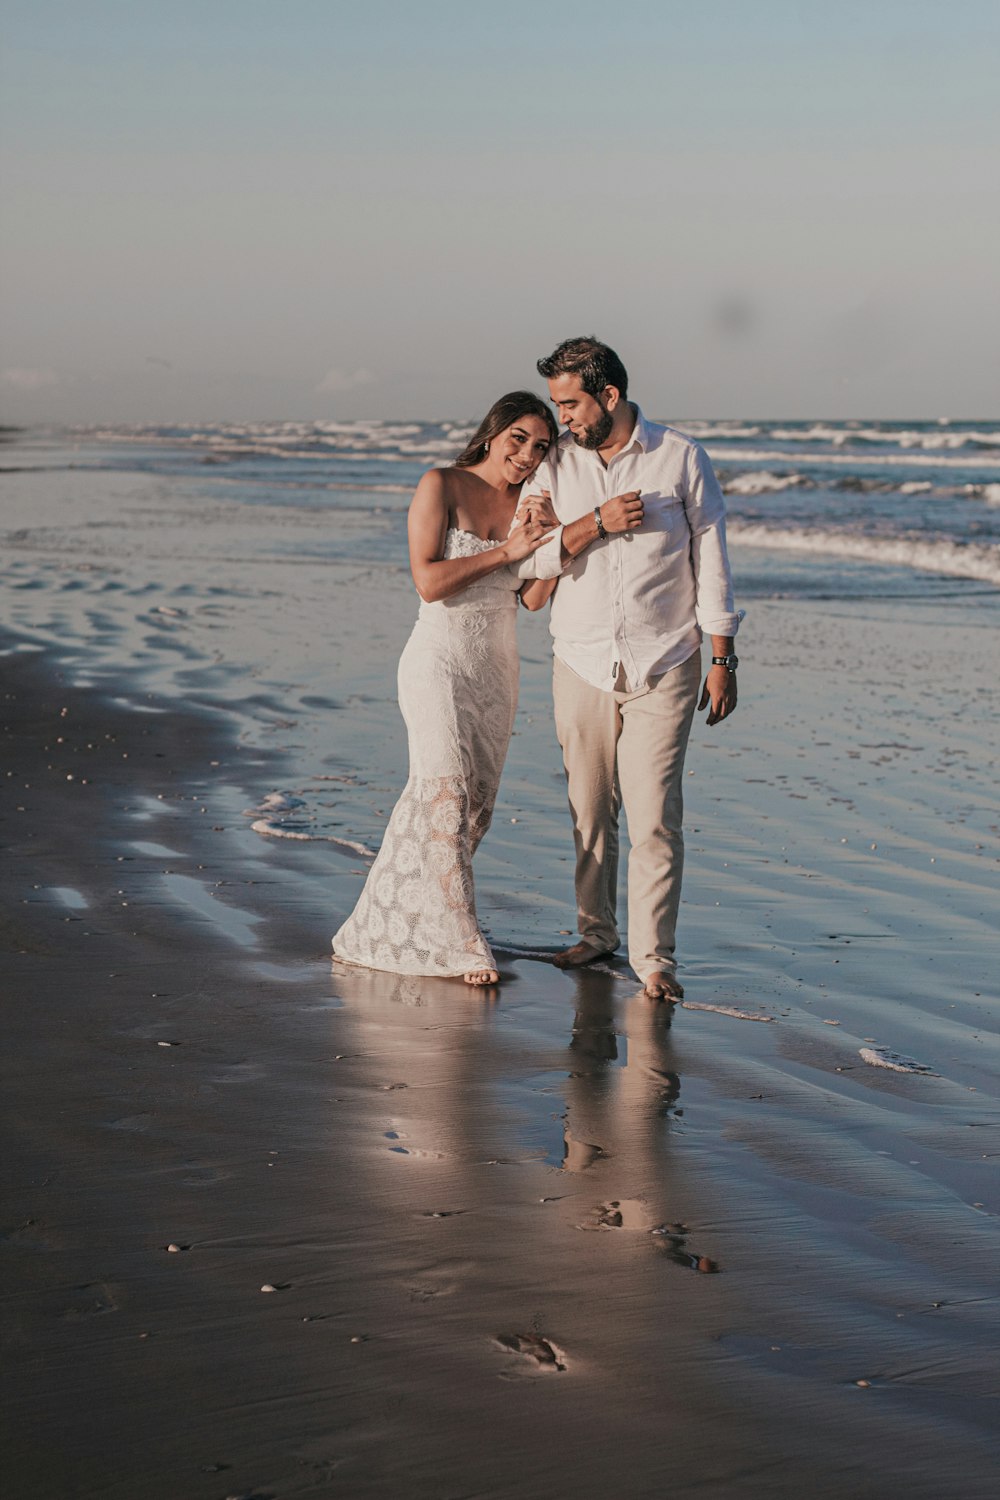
x=487, y=541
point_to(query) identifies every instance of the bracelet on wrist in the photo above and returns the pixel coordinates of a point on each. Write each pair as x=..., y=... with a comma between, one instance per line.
x=601, y=528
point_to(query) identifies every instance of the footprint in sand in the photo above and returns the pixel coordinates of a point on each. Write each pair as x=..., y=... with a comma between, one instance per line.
x=579, y=1155
x=204, y=1177
x=420, y=1152
x=618, y=1213
x=92, y=1300
x=441, y=1278
x=544, y=1356
x=426, y=1292
x=672, y=1240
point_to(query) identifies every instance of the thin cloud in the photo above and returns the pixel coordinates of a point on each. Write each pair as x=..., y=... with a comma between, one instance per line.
x=336, y=381
x=29, y=380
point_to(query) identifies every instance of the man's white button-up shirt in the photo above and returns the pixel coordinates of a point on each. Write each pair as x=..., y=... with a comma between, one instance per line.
x=639, y=602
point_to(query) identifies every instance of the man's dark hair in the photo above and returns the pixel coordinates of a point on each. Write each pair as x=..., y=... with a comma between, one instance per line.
x=596, y=364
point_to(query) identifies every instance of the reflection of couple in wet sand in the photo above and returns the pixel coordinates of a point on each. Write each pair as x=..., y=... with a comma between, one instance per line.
x=611, y=1109
x=624, y=530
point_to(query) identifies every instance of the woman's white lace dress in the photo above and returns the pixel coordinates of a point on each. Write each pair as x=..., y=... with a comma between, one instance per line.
x=458, y=679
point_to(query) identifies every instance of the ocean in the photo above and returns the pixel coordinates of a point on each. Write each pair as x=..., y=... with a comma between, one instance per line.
x=823, y=509
x=200, y=747
x=259, y=571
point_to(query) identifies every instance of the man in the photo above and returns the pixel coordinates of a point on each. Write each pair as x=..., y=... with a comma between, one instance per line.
x=643, y=573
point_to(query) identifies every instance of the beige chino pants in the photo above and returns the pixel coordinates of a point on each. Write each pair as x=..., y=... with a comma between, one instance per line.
x=627, y=749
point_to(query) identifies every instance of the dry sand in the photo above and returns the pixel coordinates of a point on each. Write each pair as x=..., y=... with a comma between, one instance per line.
x=558, y=1243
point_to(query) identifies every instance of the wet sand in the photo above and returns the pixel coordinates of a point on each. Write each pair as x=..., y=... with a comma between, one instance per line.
x=556, y=1242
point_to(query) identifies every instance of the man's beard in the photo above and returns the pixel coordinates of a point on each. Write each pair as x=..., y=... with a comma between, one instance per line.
x=598, y=434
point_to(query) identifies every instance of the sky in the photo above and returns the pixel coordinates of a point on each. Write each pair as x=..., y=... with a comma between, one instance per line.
x=323, y=210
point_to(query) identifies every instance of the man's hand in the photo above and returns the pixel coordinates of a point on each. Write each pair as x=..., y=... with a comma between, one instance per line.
x=537, y=508
x=720, y=692
x=623, y=513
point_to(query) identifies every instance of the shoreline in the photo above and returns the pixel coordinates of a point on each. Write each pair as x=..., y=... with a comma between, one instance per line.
x=557, y=1242
x=453, y=1197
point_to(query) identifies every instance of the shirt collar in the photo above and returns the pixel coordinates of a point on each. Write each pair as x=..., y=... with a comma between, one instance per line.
x=639, y=438
x=640, y=432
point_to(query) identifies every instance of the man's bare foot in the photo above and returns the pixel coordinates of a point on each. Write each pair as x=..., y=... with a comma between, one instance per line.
x=580, y=954
x=482, y=977
x=663, y=985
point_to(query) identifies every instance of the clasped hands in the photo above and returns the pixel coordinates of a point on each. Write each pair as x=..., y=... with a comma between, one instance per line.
x=622, y=513
x=533, y=525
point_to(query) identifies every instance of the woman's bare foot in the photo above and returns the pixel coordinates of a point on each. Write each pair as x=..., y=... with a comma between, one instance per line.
x=663, y=985
x=482, y=977
x=580, y=954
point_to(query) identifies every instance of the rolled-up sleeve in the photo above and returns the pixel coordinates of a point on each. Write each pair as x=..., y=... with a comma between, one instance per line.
x=546, y=562
x=715, y=611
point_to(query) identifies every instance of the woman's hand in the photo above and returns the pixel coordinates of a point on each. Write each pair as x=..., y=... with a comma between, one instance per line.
x=526, y=537
x=537, y=508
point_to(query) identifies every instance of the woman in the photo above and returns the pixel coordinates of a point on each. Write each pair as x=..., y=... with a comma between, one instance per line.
x=458, y=679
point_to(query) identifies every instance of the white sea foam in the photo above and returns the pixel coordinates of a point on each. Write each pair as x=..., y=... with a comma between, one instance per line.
x=931, y=440
x=818, y=433
x=139, y=708
x=703, y=430
x=762, y=481
x=377, y=432
x=902, y=436
x=859, y=460
x=882, y=1057
x=275, y=802
x=726, y=1010
x=387, y=429
x=269, y=829
x=990, y=493
x=957, y=560
x=275, y=826
x=368, y=489
x=432, y=445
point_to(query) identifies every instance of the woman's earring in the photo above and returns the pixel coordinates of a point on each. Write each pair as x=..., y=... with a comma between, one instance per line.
x=487, y=448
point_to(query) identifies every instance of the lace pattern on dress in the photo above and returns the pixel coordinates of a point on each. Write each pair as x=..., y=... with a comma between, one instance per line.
x=458, y=693
x=417, y=911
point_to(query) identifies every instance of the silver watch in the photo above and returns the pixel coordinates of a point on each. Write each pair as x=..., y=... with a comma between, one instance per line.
x=732, y=662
